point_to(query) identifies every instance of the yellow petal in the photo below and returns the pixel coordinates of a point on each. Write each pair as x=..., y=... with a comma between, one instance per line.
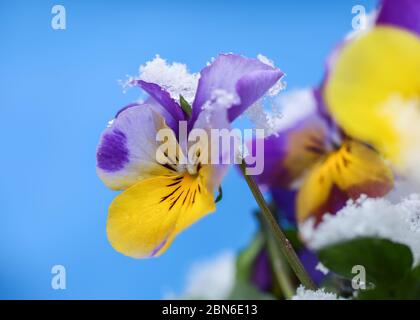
x=369, y=72
x=199, y=201
x=144, y=219
x=347, y=173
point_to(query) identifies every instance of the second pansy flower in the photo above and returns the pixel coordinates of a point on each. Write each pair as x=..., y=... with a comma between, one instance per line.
x=326, y=166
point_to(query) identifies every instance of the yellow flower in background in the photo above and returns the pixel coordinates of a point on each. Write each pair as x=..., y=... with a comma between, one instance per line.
x=348, y=172
x=322, y=164
x=373, y=89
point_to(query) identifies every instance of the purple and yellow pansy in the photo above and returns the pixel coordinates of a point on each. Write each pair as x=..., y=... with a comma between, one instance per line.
x=373, y=88
x=368, y=110
x=326, y=167
x=158, y=200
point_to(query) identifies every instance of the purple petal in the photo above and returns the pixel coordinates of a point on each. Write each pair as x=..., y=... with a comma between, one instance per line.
x=158, y=108
x=134, y=104
x=293, y=151
x=218, y=164
x=249, y=79
x=320, y=103
x=261, y=275
x=310, y=261
x=163, y=98
x=285, y=201
x=126, y=152
x=401, y=13
x=323, y=110
x=336, y=201
x=112, y=152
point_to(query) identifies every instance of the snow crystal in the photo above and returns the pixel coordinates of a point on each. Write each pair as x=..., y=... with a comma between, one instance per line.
x=110, y=123
x=265, y=60
x=320, y=294
x=263, y=119
x=210, y=279
x=398, y=222
x=220, y=98
x=286, y=110
x=280, y=85
x=174, y=77
x=241, y=152
x=220, y=101
x=321, y=268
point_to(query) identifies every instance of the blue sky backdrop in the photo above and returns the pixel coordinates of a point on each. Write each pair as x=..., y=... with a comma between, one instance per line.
x=58, y=89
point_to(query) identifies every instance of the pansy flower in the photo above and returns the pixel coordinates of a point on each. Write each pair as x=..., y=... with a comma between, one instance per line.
x=313, y=167
x=373, y=89
x=159, y=200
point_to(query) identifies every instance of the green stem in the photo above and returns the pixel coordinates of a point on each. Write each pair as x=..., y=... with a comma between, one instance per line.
x=280, y=270
x=284, y=244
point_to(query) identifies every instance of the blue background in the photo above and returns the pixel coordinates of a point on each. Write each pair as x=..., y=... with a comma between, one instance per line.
x=58, y=90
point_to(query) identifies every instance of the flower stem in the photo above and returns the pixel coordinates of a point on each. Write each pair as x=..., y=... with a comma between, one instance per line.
x=280, y=270
x=284, y=244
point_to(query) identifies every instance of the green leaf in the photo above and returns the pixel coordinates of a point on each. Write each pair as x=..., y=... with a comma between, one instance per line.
x=378, y=293
x=406, y=289
x=185, y=106
x=409, y=288
x=335, y=283
x=220, y=195
x=385, y=262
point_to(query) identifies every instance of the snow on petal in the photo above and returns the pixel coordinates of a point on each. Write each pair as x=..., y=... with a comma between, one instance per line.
x=286, y=110
x=173, y=77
